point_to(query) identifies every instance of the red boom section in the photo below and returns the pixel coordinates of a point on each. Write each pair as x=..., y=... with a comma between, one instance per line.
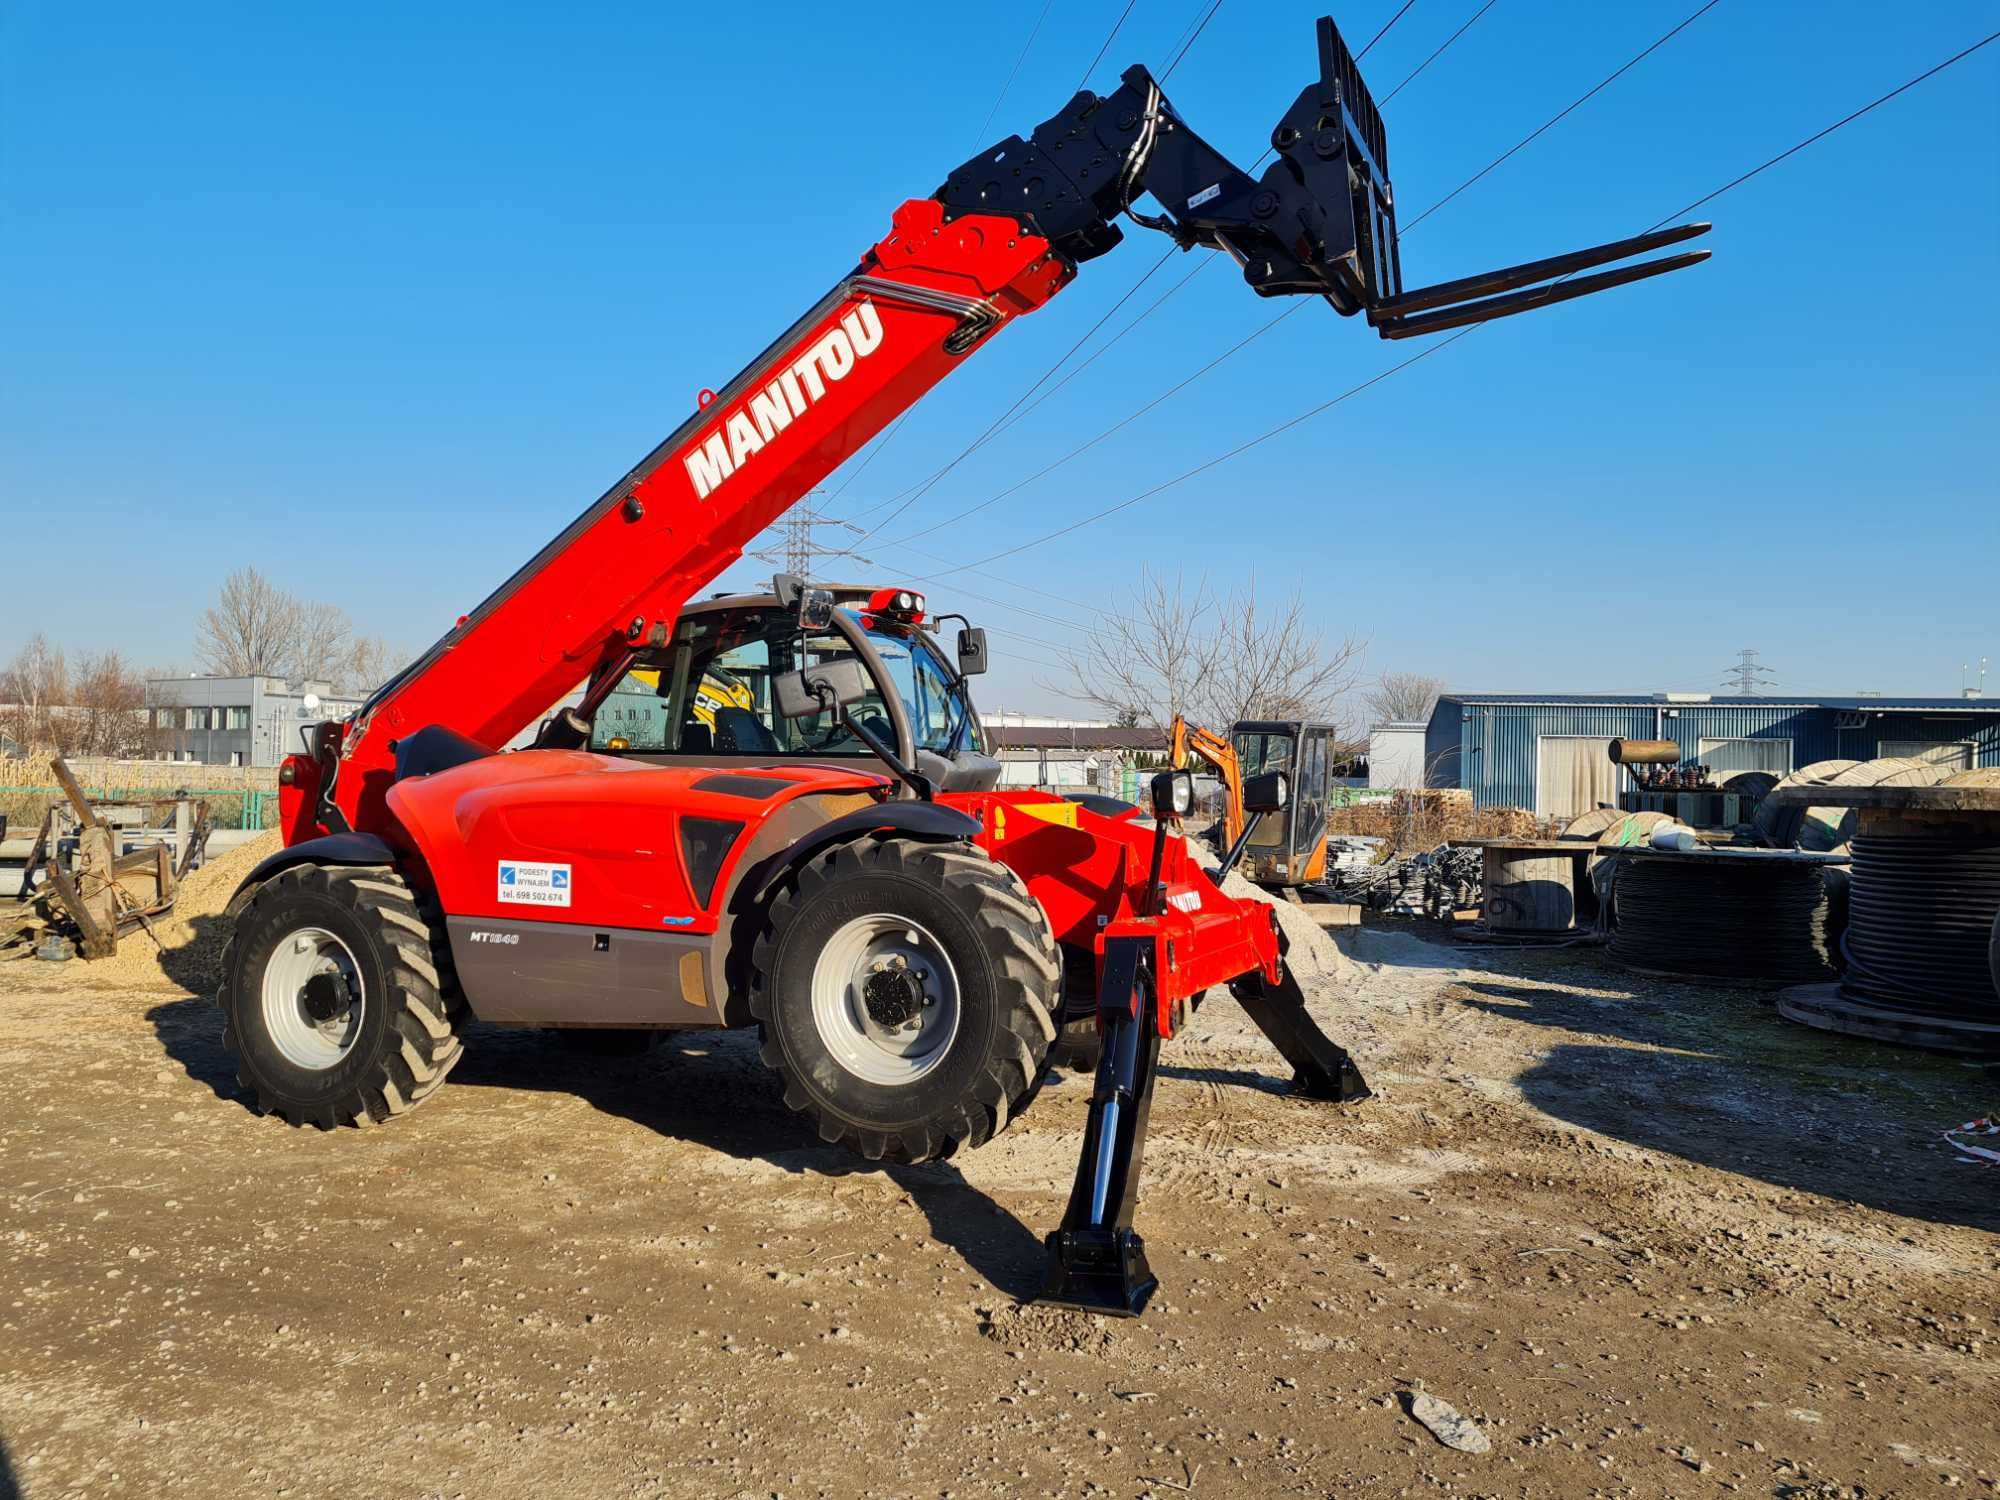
x=919, y=301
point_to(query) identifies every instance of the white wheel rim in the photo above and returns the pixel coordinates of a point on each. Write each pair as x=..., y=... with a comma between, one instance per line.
x=875, y=1042
x=301, y=956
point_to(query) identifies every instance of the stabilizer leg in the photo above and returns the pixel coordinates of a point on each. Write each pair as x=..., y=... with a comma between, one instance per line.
x=1097, y=1262
x=1322, y=1069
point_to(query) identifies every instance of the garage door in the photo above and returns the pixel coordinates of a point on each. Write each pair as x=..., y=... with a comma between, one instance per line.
x=1954, y=753
x=1573, y=774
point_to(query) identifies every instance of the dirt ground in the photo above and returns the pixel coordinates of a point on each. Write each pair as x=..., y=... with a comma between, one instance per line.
x=1652, y=1239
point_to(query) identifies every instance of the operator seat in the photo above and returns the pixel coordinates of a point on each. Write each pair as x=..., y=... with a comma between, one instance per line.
x=740, y=732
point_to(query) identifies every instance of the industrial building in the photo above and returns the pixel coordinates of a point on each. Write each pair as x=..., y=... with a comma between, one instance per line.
x=1548, y=752
x=1395, y=758
x=237, y=721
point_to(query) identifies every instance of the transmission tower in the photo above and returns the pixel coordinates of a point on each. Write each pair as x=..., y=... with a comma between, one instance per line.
x=1749, y=675
x=797, y=541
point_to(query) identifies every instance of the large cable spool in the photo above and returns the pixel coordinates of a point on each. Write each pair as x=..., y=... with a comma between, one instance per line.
x=1779, y=826
x=1920, y=914
x=1922, y=945
x=1829, y=828
x=1592, y=824
x=1742, y=914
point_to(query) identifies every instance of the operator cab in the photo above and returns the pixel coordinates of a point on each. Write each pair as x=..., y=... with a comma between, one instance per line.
x=708, y=695
x=1288, y=848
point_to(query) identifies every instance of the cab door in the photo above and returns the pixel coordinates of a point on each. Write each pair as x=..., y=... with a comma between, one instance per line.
x=1308, y=810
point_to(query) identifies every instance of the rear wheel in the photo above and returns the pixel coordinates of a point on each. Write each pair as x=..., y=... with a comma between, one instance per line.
x=335, y=998
x=904, y=993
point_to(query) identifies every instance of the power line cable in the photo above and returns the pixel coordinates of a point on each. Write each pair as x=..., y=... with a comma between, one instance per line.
x=1191, y=41
x=1116, y=26
x=872, y=453
x=1208, y=464
x=1324, y=406
x=1033, y=32
x=1199, y=266
x=1901, y=88
x=1122, y=422
x=917, y=491
x=1554, y=119
x=1387, y=27
x=1383, y=103
x=869, y=457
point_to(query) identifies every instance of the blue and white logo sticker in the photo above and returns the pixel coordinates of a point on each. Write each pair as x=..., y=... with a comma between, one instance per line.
x=526, y=883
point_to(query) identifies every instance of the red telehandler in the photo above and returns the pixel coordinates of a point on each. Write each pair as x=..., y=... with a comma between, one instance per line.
x=798, y=832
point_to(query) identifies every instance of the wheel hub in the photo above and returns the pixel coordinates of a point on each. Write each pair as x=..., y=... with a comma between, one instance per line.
x=885, y=999
x=312, y=999
x=894, y=997
x=325, y=996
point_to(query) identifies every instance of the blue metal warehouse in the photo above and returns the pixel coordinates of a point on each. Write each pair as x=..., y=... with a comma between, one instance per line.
x=1548, y=751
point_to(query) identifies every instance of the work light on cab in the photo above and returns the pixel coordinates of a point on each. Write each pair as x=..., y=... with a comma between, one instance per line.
x=904, y=606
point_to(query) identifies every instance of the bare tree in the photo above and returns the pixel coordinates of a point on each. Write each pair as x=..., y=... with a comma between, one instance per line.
x=35, y=698
x=370, y=663
x=325, y=645
x=1404, y=697
x=1273, y=663
x=1142, y=665
x=253, y=629
x=110, y=698
x=1181, y=649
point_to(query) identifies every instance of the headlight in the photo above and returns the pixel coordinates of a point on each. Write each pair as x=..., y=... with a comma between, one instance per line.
x=1173, y=794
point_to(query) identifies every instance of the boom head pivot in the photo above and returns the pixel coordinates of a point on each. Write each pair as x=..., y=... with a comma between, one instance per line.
x=1320, y=221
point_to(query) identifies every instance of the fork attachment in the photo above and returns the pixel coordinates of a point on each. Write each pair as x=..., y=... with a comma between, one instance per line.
x=1470, y=299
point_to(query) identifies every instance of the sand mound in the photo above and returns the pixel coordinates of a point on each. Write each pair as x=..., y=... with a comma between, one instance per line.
x=1313, y=955
x=186, y=944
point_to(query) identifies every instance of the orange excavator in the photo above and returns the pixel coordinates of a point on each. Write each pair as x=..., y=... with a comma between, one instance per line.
x=1189, y=742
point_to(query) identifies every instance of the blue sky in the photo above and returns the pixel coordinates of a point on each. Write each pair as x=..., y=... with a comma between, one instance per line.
x=376, y=298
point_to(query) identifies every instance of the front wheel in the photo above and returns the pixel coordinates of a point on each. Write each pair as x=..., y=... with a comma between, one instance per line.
x=904, y=993
x=335, y=998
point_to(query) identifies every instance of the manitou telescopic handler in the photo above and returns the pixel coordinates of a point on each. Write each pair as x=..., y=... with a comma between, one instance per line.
x=811, y=841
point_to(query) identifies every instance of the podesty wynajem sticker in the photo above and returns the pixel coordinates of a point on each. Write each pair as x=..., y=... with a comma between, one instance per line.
x=529, y=884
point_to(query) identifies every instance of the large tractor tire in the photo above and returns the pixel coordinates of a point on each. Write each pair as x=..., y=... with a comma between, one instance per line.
x=904, y=993
x=337, y=998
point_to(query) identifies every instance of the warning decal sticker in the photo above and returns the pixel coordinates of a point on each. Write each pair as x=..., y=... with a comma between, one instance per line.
x=528, y=884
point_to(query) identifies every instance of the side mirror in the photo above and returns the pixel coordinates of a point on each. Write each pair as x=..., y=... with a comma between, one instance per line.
x=830, y=684
x=1173, y=795
x=972, y=651
x=815, y=609
x=1267, y=793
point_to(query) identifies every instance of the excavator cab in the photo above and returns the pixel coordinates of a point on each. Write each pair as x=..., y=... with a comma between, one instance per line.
x=1288, y=848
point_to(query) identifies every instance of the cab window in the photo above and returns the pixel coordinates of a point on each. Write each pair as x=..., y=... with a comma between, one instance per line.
x=709, y=693
x=1258, y=752
x=933, y=699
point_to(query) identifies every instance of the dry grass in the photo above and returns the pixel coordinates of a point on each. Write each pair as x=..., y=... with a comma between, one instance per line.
x=1413, y=820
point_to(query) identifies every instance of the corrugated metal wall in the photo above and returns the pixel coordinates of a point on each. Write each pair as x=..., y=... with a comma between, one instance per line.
x=1497, y=744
